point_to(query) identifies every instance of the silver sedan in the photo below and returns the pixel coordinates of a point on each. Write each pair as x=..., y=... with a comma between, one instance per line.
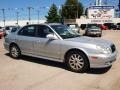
x=58, y=42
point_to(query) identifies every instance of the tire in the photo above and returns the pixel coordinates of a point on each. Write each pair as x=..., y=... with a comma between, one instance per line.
x=77, y=61
x=15, y=52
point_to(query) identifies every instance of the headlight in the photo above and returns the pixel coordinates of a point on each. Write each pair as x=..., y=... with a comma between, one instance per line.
x=104, y=49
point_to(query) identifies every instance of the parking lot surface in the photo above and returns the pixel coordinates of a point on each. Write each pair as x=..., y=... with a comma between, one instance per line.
x=30, y=73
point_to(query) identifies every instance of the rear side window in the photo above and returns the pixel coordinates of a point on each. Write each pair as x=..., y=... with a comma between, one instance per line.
x=28, y=31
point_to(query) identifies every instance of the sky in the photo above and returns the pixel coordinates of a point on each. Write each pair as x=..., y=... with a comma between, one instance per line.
x=21, y=6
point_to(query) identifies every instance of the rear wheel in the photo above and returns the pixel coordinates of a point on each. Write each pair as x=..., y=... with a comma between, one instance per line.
x=77, y=61
x=15, y=51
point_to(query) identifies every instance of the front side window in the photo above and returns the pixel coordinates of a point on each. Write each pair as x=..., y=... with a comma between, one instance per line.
x=27, y=31
x=64, y=31
x=43, y=31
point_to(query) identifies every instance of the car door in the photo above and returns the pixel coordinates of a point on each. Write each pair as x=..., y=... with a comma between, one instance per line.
x=44, y=46
x=25, y=38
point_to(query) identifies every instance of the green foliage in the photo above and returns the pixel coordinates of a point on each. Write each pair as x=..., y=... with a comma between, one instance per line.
x=53, y=16
x=72, y=9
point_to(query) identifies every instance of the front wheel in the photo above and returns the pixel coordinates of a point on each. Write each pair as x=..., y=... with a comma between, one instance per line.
x=15, y=52
x=77, y=61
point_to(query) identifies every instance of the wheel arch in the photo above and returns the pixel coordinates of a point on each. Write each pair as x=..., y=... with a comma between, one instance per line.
x=14, y=54
x=75, y=49
x=13, y=43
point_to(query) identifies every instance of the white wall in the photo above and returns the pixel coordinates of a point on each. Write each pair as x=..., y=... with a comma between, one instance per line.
x=20, y=22
x=78, y=21
x=98, y=21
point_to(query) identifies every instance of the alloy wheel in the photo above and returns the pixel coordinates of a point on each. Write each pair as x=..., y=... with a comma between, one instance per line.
x=76, y=61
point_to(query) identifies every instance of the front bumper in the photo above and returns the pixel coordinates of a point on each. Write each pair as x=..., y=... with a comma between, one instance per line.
x=94, y=33
x=102, y=61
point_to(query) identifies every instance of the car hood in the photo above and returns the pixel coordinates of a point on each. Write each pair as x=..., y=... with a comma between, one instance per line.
x=89, y=40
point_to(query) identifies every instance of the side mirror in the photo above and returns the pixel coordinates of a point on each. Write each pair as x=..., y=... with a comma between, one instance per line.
x=51, y=36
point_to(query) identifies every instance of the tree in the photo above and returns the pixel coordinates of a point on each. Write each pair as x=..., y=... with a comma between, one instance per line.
x=86, y=11
x=72, y=9
x=80, y=9
x=53, y=16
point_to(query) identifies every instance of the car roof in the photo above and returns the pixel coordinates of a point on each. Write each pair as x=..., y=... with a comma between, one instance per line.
x=54, y=24
x=10, y=26
x=45, y=24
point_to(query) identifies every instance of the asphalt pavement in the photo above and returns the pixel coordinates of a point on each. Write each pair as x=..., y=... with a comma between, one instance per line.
x=30, y=73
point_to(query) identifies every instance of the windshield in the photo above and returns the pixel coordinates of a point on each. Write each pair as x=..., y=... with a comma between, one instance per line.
x=64, y=31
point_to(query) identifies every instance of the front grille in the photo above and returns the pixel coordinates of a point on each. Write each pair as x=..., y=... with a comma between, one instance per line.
x=94, y=31
x=113, y=48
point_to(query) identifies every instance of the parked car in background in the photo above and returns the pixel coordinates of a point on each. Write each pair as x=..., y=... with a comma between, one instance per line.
x=111, y=26
x=58, y=42
x=1, y=28
x=15, y=29
x=1, y=32
x=118, y=26
x=103, y=27
x=9, y=29
x=93, y=30
x=83, y=26
x=74, y=27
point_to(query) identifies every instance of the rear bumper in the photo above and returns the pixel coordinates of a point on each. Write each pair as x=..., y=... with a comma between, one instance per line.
x=102, y=61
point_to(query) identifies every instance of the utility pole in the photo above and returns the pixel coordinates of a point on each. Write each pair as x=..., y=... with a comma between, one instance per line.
x=38, y=12
x=17, y=16
x=3, y=10
x=29, y=10
x=119, y=8
x=77, y=11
